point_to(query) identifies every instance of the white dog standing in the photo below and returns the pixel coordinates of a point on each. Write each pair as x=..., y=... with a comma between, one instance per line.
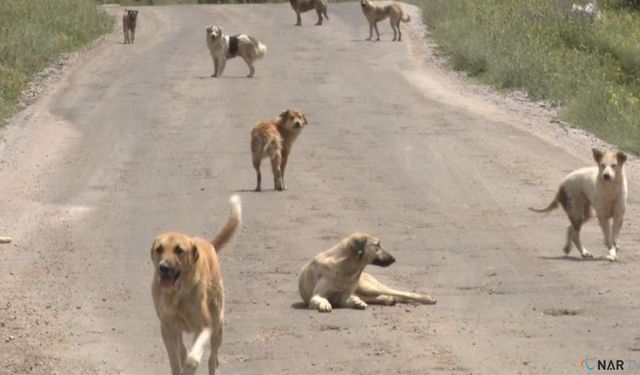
x=605, y=189
x=222, y=47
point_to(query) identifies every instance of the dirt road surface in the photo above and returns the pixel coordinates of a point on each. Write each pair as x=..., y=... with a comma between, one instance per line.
x=133, y=140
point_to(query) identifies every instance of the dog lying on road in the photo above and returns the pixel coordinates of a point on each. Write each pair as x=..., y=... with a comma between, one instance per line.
x=223, y=47
x=274, y=139
x=335, y=278
x=188, y=294
x=301, y=6
x=605, y=188
x=129, y=19
x=376, y=13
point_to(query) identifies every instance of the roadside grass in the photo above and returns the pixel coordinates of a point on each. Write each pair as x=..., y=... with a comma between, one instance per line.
x=589, y=67
x=34, y=33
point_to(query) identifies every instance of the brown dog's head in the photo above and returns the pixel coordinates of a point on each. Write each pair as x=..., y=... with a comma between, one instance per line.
x=367, y=249
x=365, y=3
x=609, y=164
x=173, y=255
x=214, y=32
x=292, y=119
x=133, y=14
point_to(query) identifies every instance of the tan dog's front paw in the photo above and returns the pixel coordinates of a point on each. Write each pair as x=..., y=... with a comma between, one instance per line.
x=190, y=367
x=359, y=305
x=324, y=306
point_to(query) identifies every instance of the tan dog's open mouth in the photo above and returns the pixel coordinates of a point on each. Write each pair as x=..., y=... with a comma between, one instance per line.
x=168, y=276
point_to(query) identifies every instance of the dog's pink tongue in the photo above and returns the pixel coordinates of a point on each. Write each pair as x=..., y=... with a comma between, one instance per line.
x=166, y=282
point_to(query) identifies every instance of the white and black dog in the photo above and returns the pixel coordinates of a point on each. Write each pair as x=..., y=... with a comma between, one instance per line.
x=223, y=47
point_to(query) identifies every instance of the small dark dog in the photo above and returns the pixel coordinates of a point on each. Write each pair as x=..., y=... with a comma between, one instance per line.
x=129, y=25
x=301, y=6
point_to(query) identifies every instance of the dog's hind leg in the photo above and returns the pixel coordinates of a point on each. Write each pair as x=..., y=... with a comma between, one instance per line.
x=375, y=26
x=567, y=245
x=370, y=31
x=399, y=32
x=252, y=70
x=378, y=300
x=319, y=12
x=393, y=27
x=369, y=286
x=175, y=348
x=575, y=237
x=257, y=159
x=298, y=18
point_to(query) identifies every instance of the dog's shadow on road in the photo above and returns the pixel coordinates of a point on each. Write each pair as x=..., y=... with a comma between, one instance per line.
x=573, y=258
x=299, y=306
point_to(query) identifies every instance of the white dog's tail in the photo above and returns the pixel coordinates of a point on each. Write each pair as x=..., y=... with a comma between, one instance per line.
x=231, y=226
x=560, y=198
x=407, y=19
x=262, y=50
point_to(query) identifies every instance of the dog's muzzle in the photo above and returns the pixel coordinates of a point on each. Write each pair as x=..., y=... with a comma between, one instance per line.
x=607, y=177
x=383, y=261
x=297, y=125
x=168, y=275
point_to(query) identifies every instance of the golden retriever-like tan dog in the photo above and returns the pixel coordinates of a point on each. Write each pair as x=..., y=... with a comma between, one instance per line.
x=376, y=13
x=129, y=21
x=274, y=139
x=301, y=6
x=335, y=277
x=605, y=189
x=188, y=294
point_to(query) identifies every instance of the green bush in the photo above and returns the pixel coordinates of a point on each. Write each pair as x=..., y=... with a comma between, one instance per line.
x=35, y=32
x=591, y=67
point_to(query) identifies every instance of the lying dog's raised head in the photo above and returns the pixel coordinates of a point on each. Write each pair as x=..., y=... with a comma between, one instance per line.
x=214, y=32
x=367, y=250
x=174, y=256
x=292, y=119
x=133, y=14
x=610, y=164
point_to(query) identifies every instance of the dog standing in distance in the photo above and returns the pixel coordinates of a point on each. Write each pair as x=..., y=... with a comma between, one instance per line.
x=335, y=277
x=188, y=294
x=301, y=6
x=129, y=19
x=274, y=139
x=223, y=47
x=605, y=189
x=376, y=13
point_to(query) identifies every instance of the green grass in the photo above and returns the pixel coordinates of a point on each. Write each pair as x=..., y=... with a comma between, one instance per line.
x=591, y=68
x=34, y=33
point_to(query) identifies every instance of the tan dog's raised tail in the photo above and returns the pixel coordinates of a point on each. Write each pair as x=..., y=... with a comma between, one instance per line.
x=376, y=13
x=603, y=187
x=188, y=294
x=335, y=277
x=274, y=139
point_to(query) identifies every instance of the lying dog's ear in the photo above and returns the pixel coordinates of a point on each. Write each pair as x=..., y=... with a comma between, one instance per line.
x=597, y=155
x=622, y=157
x=284, y=114
x=357, y=245
x=209, y=28
x=305, y=119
